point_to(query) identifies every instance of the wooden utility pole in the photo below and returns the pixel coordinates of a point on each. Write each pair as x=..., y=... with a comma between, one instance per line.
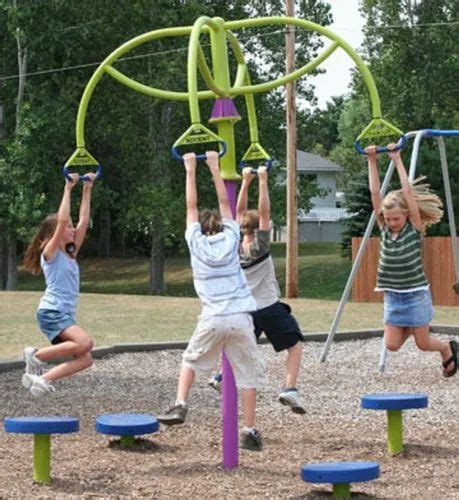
x=291, y=268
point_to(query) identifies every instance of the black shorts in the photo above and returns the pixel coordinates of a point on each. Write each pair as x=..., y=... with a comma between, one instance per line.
x=279, y=325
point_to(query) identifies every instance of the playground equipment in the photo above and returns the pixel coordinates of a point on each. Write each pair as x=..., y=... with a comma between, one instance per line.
x=394, y=404
x=340, y=474
x=42, y=428
x=418, y=136
x=126, y=426
x=224, y=115
x=83, y=178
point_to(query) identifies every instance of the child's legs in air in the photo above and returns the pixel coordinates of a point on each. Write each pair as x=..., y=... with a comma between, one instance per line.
x=426, y=342
x=396, y=336
x=249, y=402
x=73, y=341
x=283, y=332
x=185, y=383
x=247, y=362
x=293, y=364
x=201, y=355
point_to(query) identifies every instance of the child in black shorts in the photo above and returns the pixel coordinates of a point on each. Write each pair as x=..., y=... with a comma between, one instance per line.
x=272, y=317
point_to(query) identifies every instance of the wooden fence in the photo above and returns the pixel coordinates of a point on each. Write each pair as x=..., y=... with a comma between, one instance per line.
x=438, y=265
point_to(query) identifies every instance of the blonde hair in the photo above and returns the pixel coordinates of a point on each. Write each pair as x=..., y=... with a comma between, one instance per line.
x=211, y=222
x=38, y=243
x=249, y=221
x=429, y=204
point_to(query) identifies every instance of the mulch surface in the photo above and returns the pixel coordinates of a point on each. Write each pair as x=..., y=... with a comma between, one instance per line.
x=185, y=461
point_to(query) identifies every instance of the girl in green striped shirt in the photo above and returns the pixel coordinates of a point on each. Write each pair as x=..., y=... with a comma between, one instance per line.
x=403, y=216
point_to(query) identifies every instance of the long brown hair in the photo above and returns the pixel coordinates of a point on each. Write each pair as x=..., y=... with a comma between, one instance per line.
x=38, y=243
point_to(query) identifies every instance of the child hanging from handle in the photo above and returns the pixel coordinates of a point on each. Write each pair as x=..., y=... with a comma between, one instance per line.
x=403, y=216
x=54, y=250
x=213, y=241
x=272, y=317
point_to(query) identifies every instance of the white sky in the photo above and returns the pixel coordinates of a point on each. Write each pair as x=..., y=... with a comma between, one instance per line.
x=347, y=24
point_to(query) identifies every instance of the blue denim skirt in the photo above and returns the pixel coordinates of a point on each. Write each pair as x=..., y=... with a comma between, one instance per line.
x=53, y=323
x=408, y=309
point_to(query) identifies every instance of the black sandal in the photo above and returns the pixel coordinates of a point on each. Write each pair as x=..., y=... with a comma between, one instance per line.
x=452, y=359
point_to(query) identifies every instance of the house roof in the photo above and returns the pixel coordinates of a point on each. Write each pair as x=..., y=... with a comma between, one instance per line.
x=309, y=162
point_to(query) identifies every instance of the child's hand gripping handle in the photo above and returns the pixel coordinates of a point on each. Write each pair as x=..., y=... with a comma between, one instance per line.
x=381, y=149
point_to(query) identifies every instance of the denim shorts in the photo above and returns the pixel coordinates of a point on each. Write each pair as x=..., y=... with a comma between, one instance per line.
x=53, y=323
x=408, y=309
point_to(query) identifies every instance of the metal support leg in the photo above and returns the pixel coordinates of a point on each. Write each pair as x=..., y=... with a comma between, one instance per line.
x=382, y=357
x=341, y=490
x=449, y=206
x=394, y=431
x=42, y=458
x=127, y=441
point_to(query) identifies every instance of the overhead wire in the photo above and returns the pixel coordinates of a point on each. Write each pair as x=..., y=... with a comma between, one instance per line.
x=184, y=49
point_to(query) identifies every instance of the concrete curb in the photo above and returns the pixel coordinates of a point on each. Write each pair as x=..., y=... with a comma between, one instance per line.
x=103, y=351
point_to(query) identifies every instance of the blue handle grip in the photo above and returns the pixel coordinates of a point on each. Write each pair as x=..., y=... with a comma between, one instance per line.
x=83, y=178
x=382, y=149
x=176, y=155
x=268, y=163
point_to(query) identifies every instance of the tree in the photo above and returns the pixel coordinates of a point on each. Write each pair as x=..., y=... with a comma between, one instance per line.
x=410, y=48
x=141, y=196
x=318, y=129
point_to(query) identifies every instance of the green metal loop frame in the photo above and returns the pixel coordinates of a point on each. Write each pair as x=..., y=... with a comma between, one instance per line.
x=218, y=29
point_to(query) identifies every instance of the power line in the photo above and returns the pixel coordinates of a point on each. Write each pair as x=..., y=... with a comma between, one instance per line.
x=402, y=26
x=140, y=56
x=183, y=49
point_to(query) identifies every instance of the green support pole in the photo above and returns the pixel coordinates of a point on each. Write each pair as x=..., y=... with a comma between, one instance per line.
x=42, y=458
x=394, y=431
x=127, y=441
x=341, y=490
x=220, y=66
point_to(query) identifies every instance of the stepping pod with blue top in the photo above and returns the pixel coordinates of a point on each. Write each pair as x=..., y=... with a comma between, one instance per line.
x=394, y=404
x=126, y=426
x=41, y=428
x=340, y=474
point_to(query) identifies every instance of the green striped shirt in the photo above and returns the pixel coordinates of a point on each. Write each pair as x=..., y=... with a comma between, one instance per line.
x=400, y=261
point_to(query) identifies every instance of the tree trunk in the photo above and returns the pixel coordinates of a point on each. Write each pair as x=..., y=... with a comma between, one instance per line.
x=157, y=285
x=3, y=257
x=105, y=232
x=12, y=278
x=122, y=242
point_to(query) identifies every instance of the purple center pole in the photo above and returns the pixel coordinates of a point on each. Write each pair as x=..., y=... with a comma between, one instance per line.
x=229, y=391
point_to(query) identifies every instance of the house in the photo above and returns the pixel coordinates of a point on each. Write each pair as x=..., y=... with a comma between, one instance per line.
x=324, y=222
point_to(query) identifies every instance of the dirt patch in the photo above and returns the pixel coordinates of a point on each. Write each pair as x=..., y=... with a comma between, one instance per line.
x=185, y=461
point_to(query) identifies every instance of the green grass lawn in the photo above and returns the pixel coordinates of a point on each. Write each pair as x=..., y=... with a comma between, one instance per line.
x=114, y=319
x=322, y=274
x=115, y=306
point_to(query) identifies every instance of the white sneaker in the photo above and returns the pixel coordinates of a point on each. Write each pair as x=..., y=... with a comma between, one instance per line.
x=216, y=382
x=37, y=385
x=33, y=366
x=291, y=397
